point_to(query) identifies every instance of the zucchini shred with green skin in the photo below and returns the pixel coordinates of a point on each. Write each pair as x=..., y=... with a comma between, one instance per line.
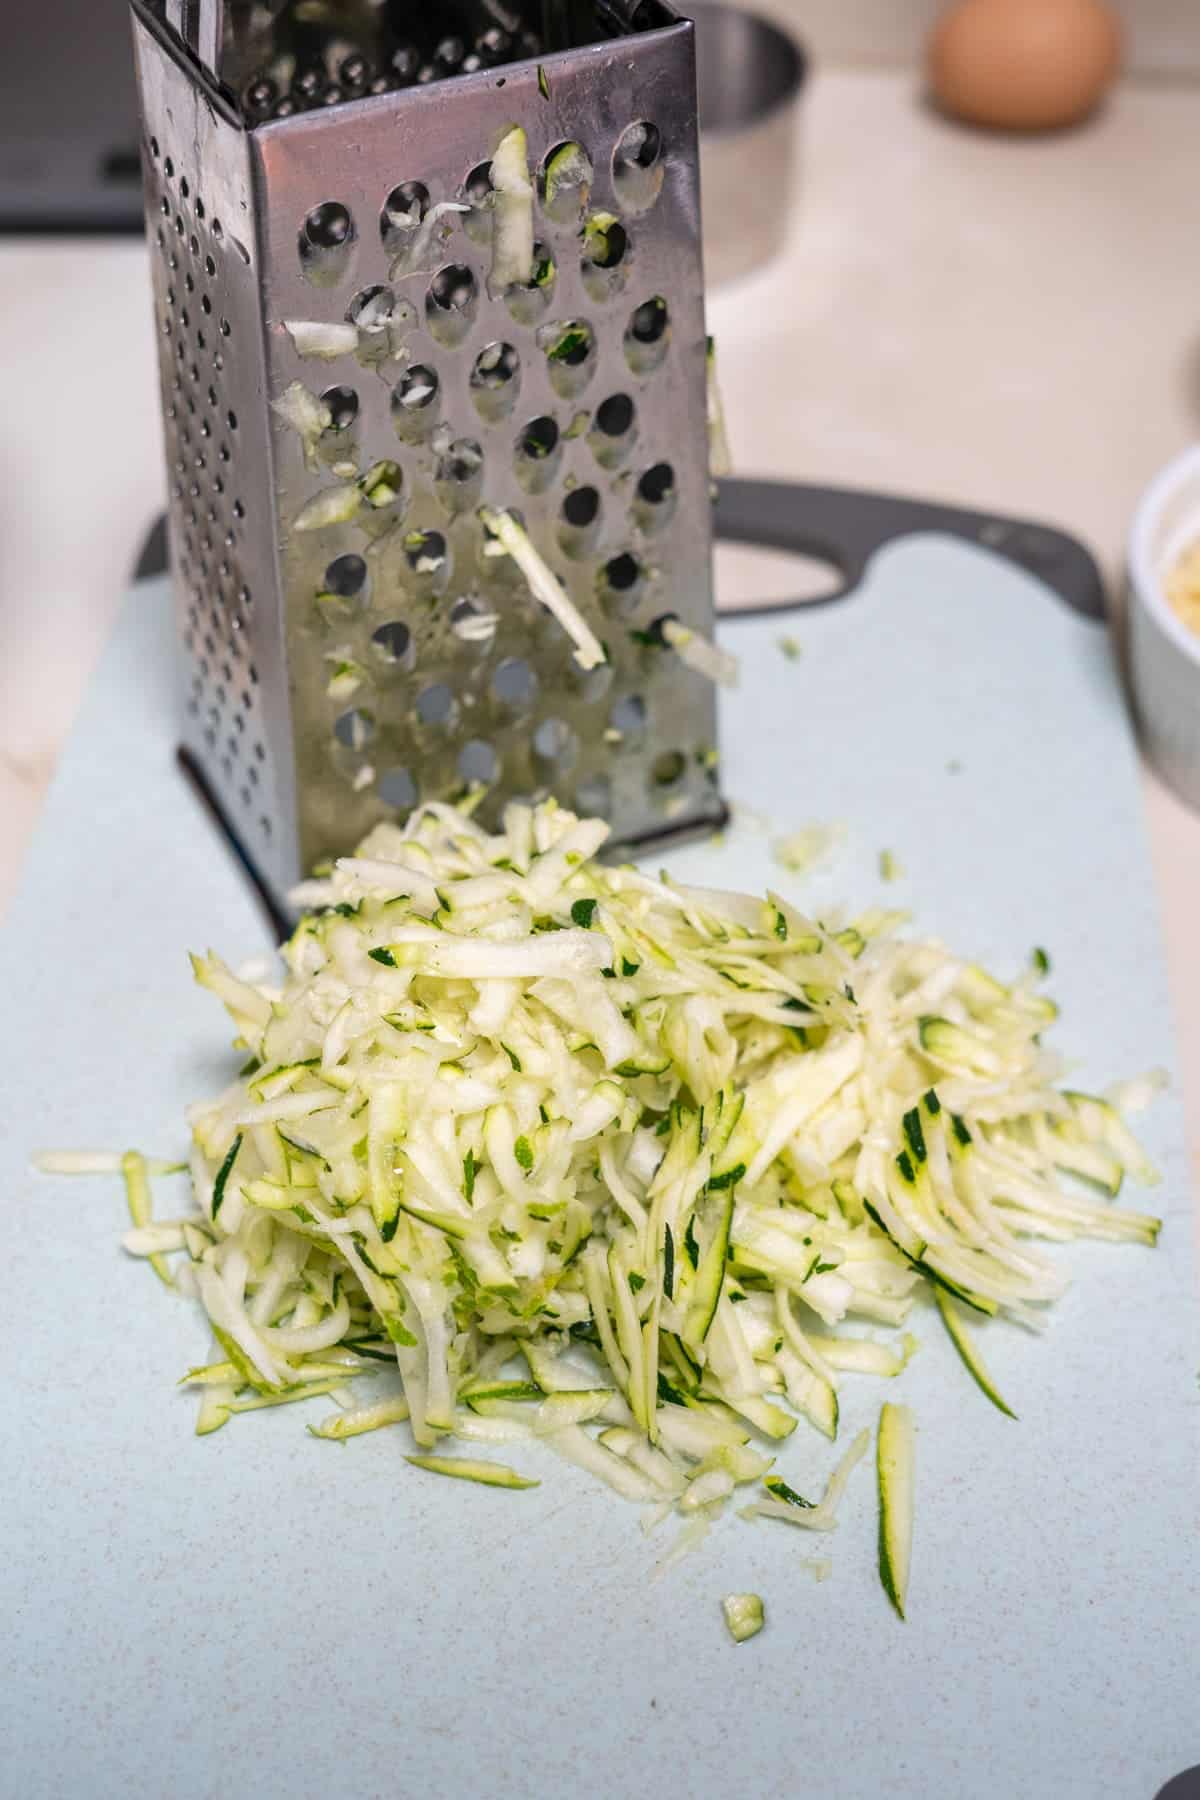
x=570, y=1154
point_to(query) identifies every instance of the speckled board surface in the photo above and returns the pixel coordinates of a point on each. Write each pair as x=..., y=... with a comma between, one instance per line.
x=259, y=1614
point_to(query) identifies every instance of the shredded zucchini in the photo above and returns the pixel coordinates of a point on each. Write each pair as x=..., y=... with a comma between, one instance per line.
x=744, y=1616
x=564, y=1154
x=512, y=212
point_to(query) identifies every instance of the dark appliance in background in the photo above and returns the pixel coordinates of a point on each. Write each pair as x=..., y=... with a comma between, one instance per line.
x=68, y=118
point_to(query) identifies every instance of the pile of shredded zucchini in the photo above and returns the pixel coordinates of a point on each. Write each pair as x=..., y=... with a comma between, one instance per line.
x=560, y=1151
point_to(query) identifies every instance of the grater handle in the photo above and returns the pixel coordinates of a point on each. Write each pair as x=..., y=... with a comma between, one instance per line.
x=846, y=526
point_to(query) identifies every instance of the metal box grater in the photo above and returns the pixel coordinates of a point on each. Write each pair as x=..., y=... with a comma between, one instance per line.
x=295, y=160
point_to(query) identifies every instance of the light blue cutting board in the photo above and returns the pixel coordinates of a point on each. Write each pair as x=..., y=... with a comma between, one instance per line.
x=261, y=1615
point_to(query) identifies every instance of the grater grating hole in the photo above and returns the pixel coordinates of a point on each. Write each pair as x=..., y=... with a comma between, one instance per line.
x=346, y=576
x=342, y=403
x=656, y=497
x=478, y=192
x=458, y=477
x=593, y=797
x=425, y=554
x=451, y=304
x=590, y=684
x=414, y=402
x=478, y=763
x=437, y=707
x=647, y=335
x=383, y=484
x=605, y=243
x=397, y=788
x=579, y=524
x=472, y=623
x=403, y=211
x=325, y=243
x=569, y=346
x=495, y=380
x=637, y=166
x=555, y=747
x=354, y=728
x=620, y=584
x=614, y=430
x=371, y=309
x=514, y=684
x=393, y=645
x=538, y=454
x=604, y=263
x=627, y=719
x=668, y=768
x=529, y=301
x=565, y=182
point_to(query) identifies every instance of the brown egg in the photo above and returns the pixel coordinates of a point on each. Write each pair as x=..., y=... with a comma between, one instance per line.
x=1024, y=65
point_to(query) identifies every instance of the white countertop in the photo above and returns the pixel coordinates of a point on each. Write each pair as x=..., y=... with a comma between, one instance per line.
x=1008, y=324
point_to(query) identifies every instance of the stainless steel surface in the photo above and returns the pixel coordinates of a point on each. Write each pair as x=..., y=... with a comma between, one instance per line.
x=203, y=244
x=750, y=75
x=324, y=695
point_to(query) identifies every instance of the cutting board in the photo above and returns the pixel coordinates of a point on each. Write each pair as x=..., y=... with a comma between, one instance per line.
x=261, y=1614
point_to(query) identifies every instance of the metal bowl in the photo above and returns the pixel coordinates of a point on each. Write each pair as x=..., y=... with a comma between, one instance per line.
x=750, y=76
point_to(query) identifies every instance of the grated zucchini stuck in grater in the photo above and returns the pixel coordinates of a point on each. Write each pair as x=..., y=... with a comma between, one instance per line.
x=353, y=405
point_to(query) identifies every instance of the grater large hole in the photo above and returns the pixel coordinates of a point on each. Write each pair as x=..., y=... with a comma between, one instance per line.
x=565, y=182
x=579, y=522
x=326, y=243
x=495, y=381
x=392, y=644
x=647, y=335
x=569, y=346
x=515, y=684
x=396, y=788
x=428, y=559
x=627, y=721
x=472, y=623
x=620, y=584
x=656, y=497
x=371, y=309
x=437, y=707
x=383, y=484
x=342, y=403
x=593, y=797
x=539, y=452
x=668, y=769
x=354, y=728
x=403, y=212
x=478, y=192
x=605, y=241
x=529, y=301
x=614, y=430
x=458, y=477
x=603, y=264
x=479, y=763
x=555, y=747
x=637, y=166
x=414, y=402
x=451, y=303
x=346, y=576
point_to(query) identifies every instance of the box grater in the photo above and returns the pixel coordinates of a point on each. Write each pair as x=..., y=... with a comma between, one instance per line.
x=318, y=177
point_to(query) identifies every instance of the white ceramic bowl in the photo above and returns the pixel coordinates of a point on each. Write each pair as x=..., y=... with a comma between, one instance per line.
x=1164, y=653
